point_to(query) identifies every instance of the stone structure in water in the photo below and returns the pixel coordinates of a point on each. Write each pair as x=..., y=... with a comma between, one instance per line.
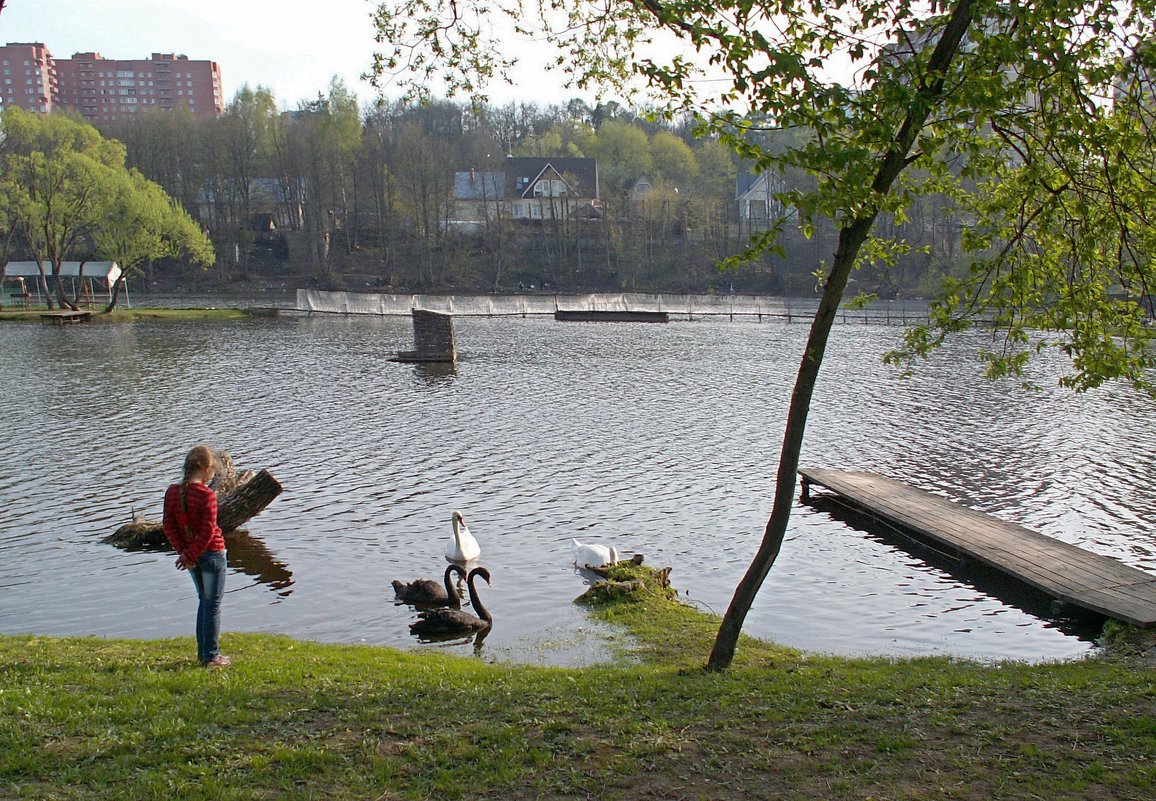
x=433, y=338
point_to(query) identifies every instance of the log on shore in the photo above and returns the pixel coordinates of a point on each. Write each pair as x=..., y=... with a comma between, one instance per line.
x=234, y=507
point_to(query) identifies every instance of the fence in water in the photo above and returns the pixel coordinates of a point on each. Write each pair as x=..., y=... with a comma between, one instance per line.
x=688, y=307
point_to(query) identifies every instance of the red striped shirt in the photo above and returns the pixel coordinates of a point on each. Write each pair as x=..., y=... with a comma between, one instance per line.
x=192, y=530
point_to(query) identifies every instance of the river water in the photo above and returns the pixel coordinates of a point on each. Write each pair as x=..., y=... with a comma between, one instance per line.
x=659, y=439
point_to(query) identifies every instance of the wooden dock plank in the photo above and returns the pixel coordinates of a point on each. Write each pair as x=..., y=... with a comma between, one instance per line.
x=65, y=317
x=1065, y=572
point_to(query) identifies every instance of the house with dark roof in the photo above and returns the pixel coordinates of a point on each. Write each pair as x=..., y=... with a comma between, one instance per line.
x=755, y=198
x=528, y=189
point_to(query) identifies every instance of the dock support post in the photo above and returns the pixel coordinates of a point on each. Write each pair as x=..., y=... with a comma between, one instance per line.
x=433, y=338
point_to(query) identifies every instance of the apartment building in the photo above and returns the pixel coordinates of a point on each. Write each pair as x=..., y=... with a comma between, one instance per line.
x=104, y=89
x=28, y=77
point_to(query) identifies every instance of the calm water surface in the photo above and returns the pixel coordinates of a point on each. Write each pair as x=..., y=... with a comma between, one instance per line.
x=661, y=439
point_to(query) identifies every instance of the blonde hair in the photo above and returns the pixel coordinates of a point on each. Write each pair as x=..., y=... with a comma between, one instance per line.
x=197, y=459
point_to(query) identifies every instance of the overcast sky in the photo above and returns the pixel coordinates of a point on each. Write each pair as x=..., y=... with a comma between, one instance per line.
x=293, y=47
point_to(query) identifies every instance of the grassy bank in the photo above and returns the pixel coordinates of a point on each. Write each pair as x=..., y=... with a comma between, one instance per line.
x=114, y=719
x=130, y=315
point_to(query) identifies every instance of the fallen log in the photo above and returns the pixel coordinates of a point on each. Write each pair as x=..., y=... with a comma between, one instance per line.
x=234, y=507
x=247, y=500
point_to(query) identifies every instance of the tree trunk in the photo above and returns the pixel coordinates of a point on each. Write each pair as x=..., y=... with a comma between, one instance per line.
x=116, y=287
x=234, y=508
x=851, y=238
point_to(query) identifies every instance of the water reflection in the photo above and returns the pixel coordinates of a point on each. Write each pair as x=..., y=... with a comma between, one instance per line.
x=456, y=640
x=249, y=555
x=988, y=582
x=244, y=553
x=435, y=374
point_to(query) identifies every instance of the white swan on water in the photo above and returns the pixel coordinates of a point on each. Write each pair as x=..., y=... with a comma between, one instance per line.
x=463, y=547
x=593, y=555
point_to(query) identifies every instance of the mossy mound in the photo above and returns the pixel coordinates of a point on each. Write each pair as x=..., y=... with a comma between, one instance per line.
x=628, y=581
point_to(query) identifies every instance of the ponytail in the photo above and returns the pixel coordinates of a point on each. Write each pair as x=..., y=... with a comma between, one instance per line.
x=197, y=459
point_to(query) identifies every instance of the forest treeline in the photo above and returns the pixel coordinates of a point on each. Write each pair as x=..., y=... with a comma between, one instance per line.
x=335, y=196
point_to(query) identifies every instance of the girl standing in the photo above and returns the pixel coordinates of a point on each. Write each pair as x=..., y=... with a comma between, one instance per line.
x=190, y=524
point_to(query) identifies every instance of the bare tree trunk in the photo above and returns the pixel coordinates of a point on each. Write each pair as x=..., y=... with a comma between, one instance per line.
x=851, y=238
x=116, y=287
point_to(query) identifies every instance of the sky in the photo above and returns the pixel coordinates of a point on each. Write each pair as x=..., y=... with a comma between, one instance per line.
x=293, y=47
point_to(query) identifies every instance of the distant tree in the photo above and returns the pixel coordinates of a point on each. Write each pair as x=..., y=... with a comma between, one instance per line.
x=142, y=223
x=673, y=160
x=11, y=203
x=239, y=146
x=425, y=184
x=542, y=145
x=247, y=127
x=623, y=153
x=73, y=197
x=166, y=147
x=381, y=185
x=62, y=171
x=338, y=129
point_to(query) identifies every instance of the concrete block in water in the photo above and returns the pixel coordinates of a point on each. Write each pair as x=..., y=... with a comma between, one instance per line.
x=433, y=338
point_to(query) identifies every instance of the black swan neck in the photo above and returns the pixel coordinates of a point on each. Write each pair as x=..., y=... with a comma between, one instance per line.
x=475, y=601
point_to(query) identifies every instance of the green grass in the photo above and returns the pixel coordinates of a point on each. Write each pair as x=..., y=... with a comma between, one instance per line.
x=128, y=315
x=124, y=719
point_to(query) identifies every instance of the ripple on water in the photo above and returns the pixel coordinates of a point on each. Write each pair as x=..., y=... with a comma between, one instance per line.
x=659, y=439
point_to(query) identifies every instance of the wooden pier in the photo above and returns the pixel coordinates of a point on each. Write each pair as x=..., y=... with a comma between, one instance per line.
x=1066, y=573
x=591, y=316
x=65, y=317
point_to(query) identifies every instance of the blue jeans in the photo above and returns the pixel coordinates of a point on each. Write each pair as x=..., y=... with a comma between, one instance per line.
x=209, y=579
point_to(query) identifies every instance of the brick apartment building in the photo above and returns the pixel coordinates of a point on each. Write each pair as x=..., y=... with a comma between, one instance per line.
x=103, y=89
x=27, y=77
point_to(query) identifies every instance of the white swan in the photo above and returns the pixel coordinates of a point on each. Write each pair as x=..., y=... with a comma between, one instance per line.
x=593, y=555
x=463, y=547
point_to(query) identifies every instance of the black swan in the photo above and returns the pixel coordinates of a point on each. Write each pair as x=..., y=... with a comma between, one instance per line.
x=449, y=621
x=429, y=592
